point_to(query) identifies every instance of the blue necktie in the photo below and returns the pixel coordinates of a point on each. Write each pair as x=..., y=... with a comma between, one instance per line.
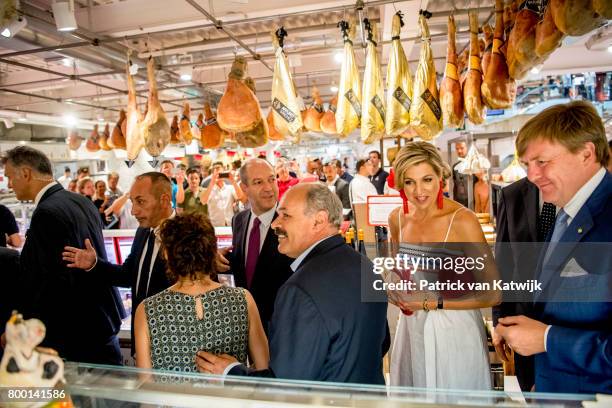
x=559, y=229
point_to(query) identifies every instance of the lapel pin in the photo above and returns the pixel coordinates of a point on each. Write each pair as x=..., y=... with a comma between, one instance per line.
x=580, y=230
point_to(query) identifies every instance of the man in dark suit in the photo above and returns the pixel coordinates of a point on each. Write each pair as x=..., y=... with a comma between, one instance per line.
x=321, y=330
x=9, y=259
x=82, y=313
x=255, y=261
x=144, y=270
x=565, y=150
x=521, y=220
x=337, y=185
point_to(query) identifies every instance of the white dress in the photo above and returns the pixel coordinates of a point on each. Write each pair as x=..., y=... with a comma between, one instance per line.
x=444, y=349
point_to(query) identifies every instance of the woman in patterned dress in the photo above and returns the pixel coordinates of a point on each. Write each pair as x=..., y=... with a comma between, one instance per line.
x=196, y=313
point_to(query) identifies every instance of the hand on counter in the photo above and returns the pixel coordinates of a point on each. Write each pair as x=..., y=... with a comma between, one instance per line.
x=212, y=364
x=522, y=334
x=80, y=258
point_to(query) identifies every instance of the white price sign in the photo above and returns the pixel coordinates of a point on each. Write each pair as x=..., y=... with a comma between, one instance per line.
x=379, y=208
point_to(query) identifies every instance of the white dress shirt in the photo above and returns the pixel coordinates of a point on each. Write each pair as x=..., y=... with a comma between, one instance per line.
x=42, y=192
x=265, y=222
x=360, y=188
x=220, y=205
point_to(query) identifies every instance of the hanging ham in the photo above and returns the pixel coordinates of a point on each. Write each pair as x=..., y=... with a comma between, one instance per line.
x=258, y=136
x=273, y=134
x=521, y=44
x=133, y=133
x=92, y=143
x=497, y=87
x=576, y=17
x=399, y=83
x=486, y=56
x=348, y=110
x=200, y=121
x=175, y=133
x=238, y=109
x=185, y=125
x=285, y=104
x=603, y=8
x=117, y=139
x=462, y=65
x=74, y=140
x=451, y=98
x=373, y=110
x=328, y=121
x=211, y=135
x=548, y=37
x=104, y=138
x=425, y=111
x=155, y=125
x=472, y=96
x=312, y=116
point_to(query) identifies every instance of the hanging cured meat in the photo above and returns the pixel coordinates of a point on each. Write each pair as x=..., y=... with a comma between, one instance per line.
x=258, y=136
x=285, y=105
x=211, y=135
x=74, y=140
x=521, y=44
x=399, y=83
x=200, y=121
x=497, y=87
x=451, y=98
x=472, y=96
x=426, y=112
x=348, y=113
x=510, y=11
x=576, y=17
x=133, y=132
x=104, y=138
x=185, y=125
x=175, y=133
x=373, y=110
x=328, y=121
x=603, y=8
x=155, y=125
x=238, y=109
x=548, y=37
x=486, y=56
x=312, y=116
x=462, y=65
x=117, y=139
x=92, y=143
x=273, y=134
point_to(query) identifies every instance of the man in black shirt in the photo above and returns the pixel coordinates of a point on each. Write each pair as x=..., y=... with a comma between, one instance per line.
x=379, y=176
x=460, y=186
x=9, y=232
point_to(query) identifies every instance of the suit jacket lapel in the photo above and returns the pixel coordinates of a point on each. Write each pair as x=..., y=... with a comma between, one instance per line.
x=531, y=201
x=242, y=224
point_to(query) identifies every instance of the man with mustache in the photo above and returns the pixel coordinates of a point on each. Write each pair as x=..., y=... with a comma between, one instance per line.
x=255, y=261
x=321, y=330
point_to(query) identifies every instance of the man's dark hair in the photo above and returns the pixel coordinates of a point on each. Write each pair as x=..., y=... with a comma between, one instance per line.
x=82, y=170
x=166, y=161
x=360, y=164
x=375, y=152
x=610, y=144
x=337, y=163
x=160, y=184
x=237, y=164
x=66, y=169
x=192, y=170
x=218, y=163
x=182, y=166
x=28, y=156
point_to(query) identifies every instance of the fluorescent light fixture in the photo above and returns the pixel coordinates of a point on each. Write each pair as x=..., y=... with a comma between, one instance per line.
x=67, y=62
x=14, y=26
x=100, y=118
x=333, y=88
x=185, y=73
x=63, y=12
x=22, y=117
x=338, y=56
x=610, y=48
x=185, y=77
x=70, y=120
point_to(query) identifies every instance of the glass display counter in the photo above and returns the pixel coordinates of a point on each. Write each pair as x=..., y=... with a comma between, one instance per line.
x=106, y=386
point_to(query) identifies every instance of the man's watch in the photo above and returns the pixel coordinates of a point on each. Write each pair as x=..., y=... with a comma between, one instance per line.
x=440, y=302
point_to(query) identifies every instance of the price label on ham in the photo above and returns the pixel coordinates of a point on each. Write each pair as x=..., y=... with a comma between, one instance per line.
x=283, y=110
x=379, y=106
x=433, y=103
x=402, y=98
x=350, y=95
x=379, y=207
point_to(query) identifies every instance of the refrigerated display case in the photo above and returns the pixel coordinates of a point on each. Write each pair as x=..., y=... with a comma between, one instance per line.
x=101, y=386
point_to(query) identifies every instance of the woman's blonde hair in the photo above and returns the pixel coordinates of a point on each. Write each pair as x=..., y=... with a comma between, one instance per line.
x=414, y=153
x=81, y=183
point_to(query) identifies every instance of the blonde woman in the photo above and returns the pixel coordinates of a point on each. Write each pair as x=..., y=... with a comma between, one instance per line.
x=440, y=340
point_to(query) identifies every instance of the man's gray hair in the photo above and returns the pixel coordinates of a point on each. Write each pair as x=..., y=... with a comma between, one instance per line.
x=244, y=169
x=28, y=156
x=320, y=198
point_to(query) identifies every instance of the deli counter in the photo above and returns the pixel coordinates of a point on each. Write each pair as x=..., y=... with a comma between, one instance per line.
x=107, y=386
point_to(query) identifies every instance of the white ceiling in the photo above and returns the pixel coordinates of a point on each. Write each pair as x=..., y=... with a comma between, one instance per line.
x=178, y=35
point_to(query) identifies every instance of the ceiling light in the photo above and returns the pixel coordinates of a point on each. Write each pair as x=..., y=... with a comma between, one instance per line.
x=22, y=117
x=100, y=118
x=185, y=73
x=333, y=88
x=67, y=62
x=535, y=70
x=338, y=56
x=185, y=77
x=134, y=68
x=610, y=48
x=14, y=26
x=63, y=12
x=70, y=120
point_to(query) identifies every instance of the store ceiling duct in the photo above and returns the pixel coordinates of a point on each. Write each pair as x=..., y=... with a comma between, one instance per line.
x=63, y=12
x=15, y=25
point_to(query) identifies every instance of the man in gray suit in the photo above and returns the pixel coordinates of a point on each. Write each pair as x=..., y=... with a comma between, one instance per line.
x=336, y=184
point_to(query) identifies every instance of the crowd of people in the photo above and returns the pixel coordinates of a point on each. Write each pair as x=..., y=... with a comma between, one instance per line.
x=297, y=310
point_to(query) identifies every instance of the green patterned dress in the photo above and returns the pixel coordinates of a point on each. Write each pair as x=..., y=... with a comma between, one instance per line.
x=177, y=334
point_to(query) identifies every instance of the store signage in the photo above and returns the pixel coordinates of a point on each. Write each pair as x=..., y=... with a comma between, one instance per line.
x=379, y=207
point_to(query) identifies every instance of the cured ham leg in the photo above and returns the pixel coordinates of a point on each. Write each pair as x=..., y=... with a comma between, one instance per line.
x=211, y=135
x=117, y=139
x=521, y=44
x=472, y=96
x=185, y=125
x=155, y=126
x=486, y=56
x=312, y=116
x=92, y=143
x=238, y=109
x=348, y=113
x=104, y=138
x=175, y=134
x=133, y=132
x=548, y=36
x=74, y=140
x=272, y=132
x=328, y=121
x=451, y=98
x=577, y=17
x=373, y=110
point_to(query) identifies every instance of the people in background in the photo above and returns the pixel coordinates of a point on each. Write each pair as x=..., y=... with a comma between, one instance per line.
x=49, y=289
x=564, y=148
x=284, y=179
x=182, y=170
x=100, y=199
x=460, y=181
x=336, y=184
x=318, y=332
x=222, y=196
x=178, y=192
x=342, y=172
x=440, y=341
x=378, y=176
x=122, y=209
x=312, y=171
x=9, y=231
x=361, y=187
x=197, y=312
x=66, y=178
x=72, y=186
x=82, y=172
x=113, y=191
x=85, y=187
x=196, y=197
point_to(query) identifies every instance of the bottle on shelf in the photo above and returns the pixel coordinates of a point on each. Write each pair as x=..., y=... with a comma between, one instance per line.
x=360, y=243
x=352, y=232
